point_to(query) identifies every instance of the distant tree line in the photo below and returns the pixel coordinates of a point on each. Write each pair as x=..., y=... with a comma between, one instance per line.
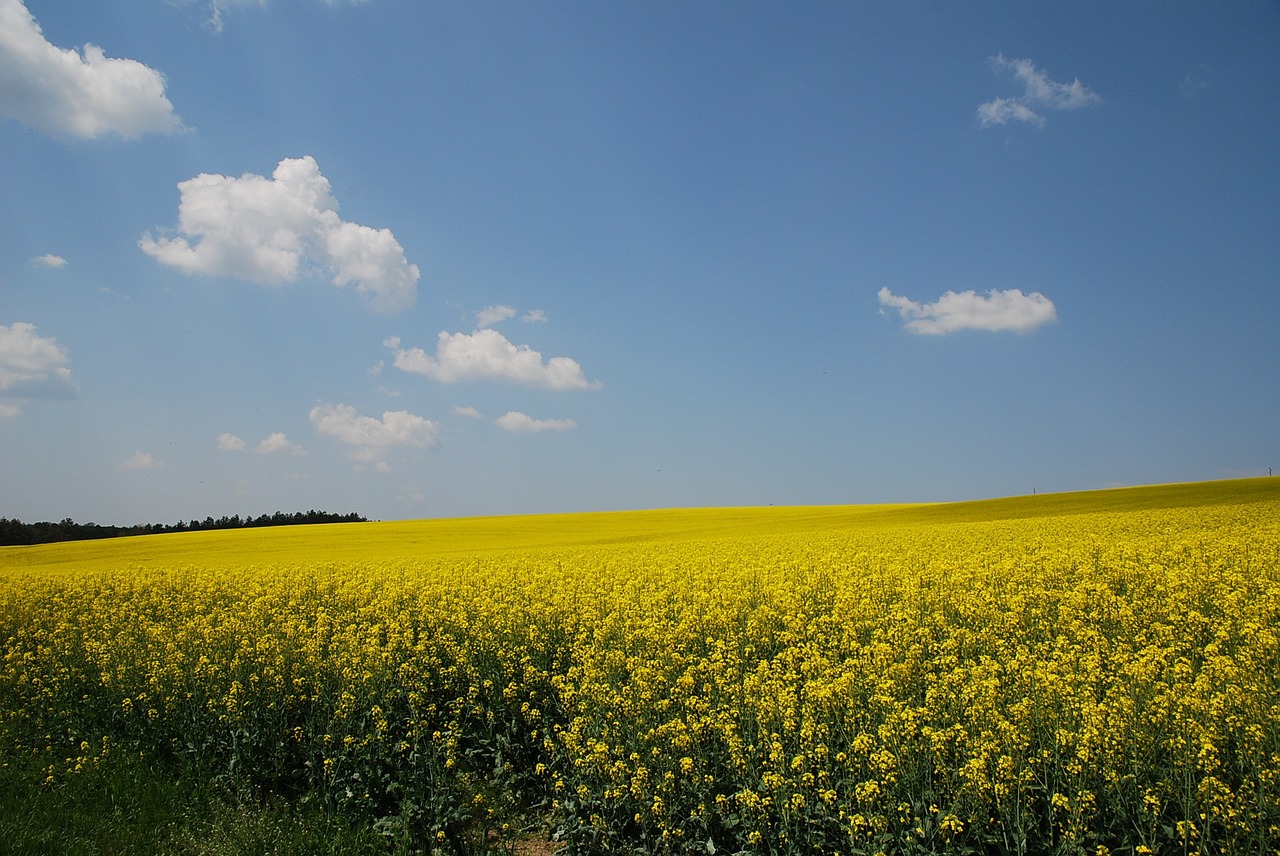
x=15, y=532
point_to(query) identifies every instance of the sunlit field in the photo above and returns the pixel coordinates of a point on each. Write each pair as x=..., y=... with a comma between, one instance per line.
x=1072, y=673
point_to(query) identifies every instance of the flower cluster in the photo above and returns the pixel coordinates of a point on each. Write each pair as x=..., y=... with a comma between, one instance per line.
x=1075, y=683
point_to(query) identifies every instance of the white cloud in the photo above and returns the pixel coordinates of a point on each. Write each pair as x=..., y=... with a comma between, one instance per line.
x=968, y=310
x=487, y=354
x=1038, y=91
x=218, y=7
x=469, y=412
x=520, y=423
x=371, y=439
x=1193, y=84
x=69, y=93
x=49, y=260
x=141, y=461
x=534, y=316
x=278, y=442
x=491, y=315
x=271, y=231
x=10, y=411
x=230, y=443
x=1001, y=110
x=32, y=365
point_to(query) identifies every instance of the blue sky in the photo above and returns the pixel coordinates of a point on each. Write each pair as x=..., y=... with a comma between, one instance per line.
x=419, y=259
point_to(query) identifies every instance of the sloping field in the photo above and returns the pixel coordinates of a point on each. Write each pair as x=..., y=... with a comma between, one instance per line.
x=455, y=536
x=1076, y=673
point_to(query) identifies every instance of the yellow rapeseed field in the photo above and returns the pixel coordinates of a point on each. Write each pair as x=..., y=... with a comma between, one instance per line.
x=1074, y=673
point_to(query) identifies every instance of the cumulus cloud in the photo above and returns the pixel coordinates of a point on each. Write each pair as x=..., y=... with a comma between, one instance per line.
x=49, y=260
x=32, y=365
x=278, y=442
x=141, y=461
x=1038, y=92
x=487, y=354
x=271, y=231
x=520, y=423
x=70, y=93
x=371, y=439
x=968, y=310
x=230, y=443
x=491, y=315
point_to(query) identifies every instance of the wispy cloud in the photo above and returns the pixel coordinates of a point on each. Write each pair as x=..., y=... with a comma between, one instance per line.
x=469, y=412
x=49, y=260
x=70, y=93
x=488, y=355
x=967, y=310
x=1193, y=84
x=217, y=8
x=372, y=439
x=141, y=461
x=492, y=315
x=1038, y=93
x=520, y=423
x=271, y=231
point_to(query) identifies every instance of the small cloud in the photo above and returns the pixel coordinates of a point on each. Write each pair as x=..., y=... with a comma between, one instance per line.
x=968, y=310
x=1001, y=110
x=49, y=260
x=1038, y=92
x=230, y=443
x=534, y=316
x=469, y=412
x=278, y=442
x=84, y=93
x=411, y=494
x=491, y=315
x=141, y=461
x=33, y=366
x=520, y=423
x=10, y=411
x=488, y=355
x=272, y=231
x=372, y=439
x=1193, y=84
x=218, y=7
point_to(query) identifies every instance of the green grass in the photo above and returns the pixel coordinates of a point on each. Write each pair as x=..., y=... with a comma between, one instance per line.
x=127, y=806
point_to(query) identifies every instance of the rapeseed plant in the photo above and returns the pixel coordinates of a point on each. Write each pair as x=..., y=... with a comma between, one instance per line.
x=1060, y=680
